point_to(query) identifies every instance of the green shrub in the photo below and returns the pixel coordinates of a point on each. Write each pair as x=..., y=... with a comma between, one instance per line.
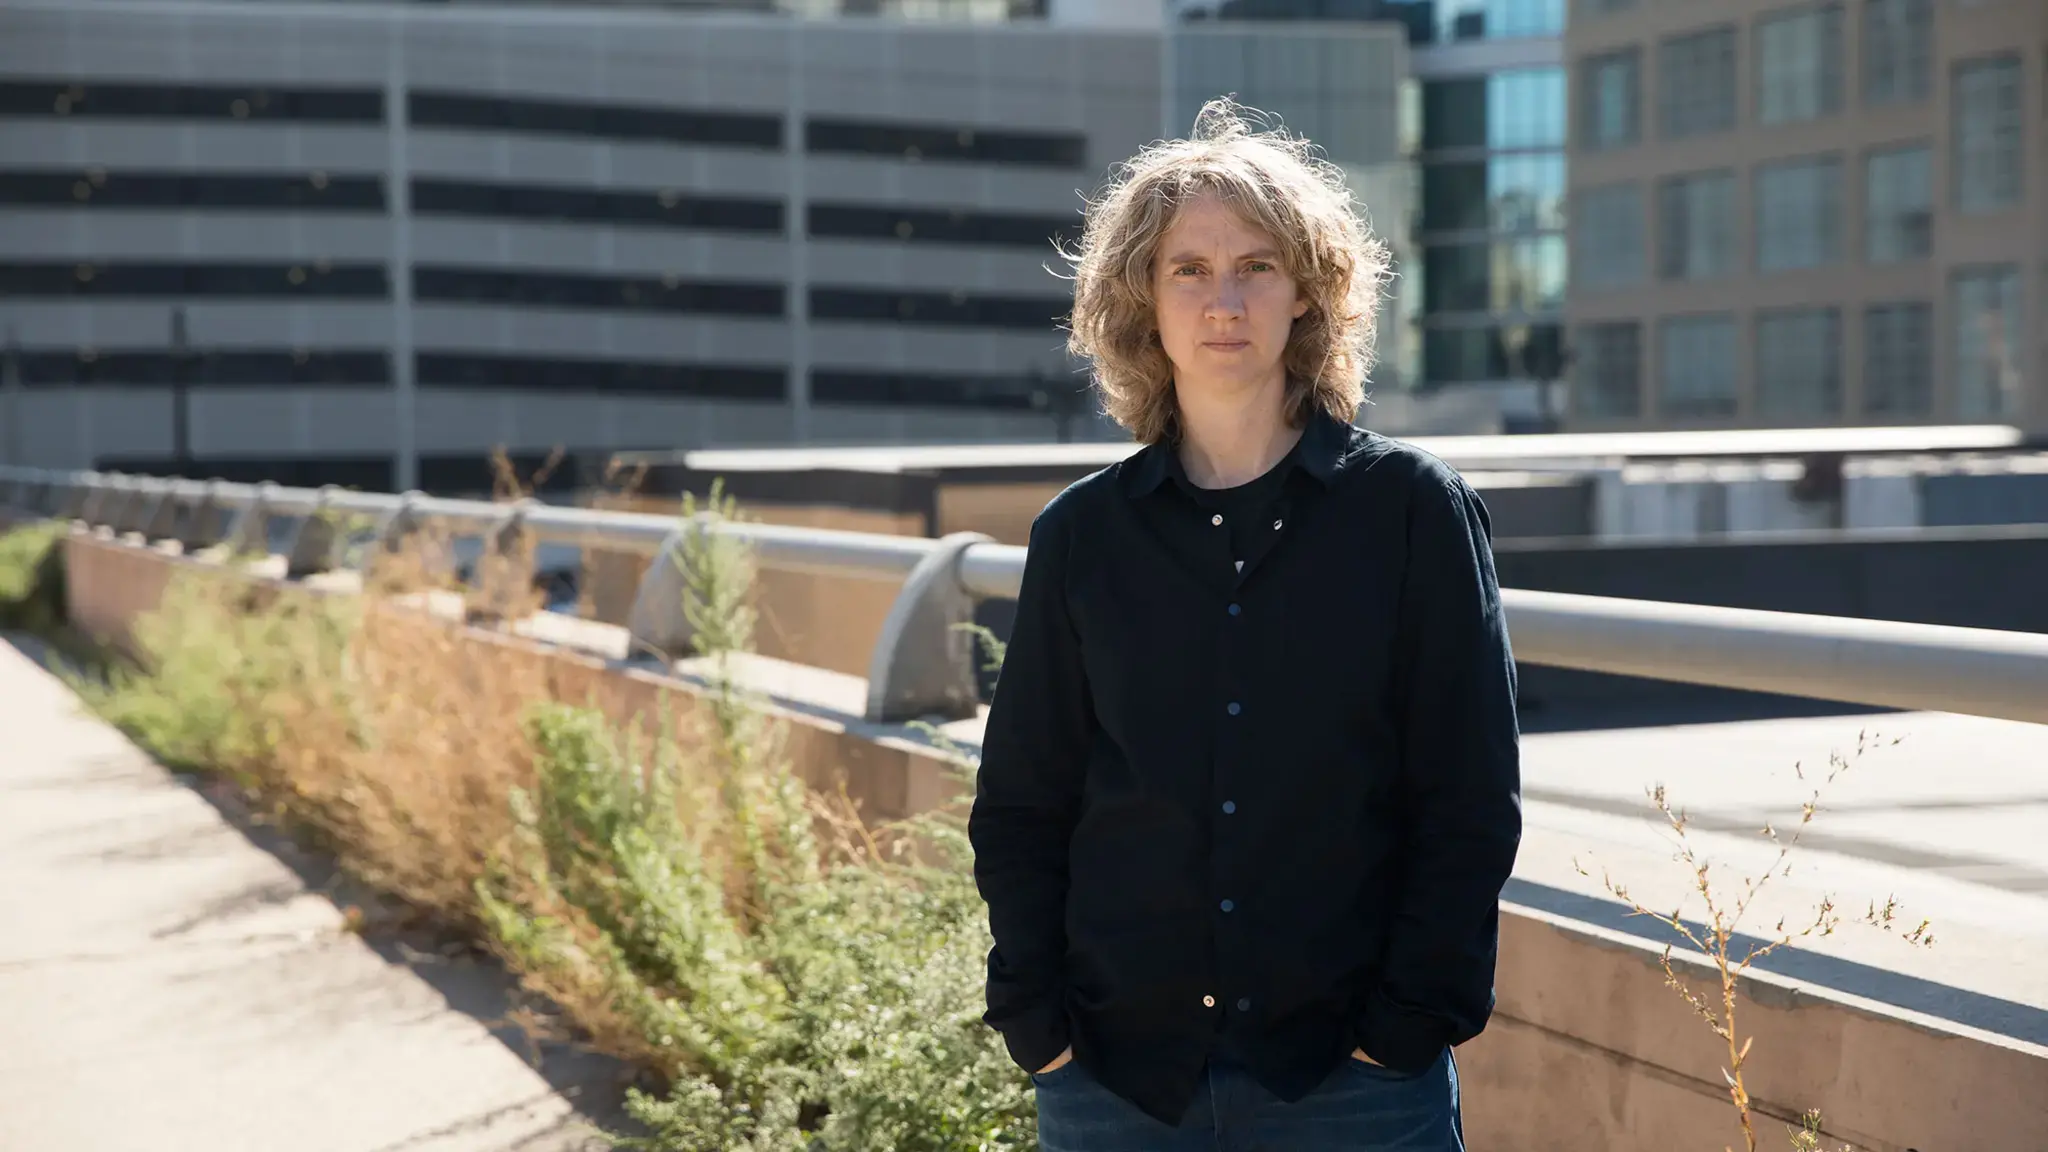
x=32, y=577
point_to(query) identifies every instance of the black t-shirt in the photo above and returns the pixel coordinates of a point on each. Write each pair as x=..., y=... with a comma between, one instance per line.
x=1247, y=516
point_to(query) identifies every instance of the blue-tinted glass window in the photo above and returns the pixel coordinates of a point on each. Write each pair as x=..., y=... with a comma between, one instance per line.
x=1516, y=192
x=1523, y=108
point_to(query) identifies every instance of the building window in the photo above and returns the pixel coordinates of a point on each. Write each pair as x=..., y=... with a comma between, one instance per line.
x=1591, y=8
x=1696, y=226
x=429, y=109
x=1798, y=214
x=667, y=208
x=525, y=288
x=1513, y=108
x=940, y=226
x=99, y=188
x=1696, y=83
x=1462, y=355
x=1799, y=362
x=1611, y=99
x=1898, y=204
x=1987, y=134
x=577, y=377
x=1898, y=359
x=919, y=142
x=925, y=390
x=1984, y=306
x=1607, y=373
x=311, y=278
x=1525, y=274
x=1608, y=236
x=945, y=309
x=1697, y=357
x=1898, y=38
x=212, y=367
x=1518, y=192
x=1799, y=65
x=85, y=97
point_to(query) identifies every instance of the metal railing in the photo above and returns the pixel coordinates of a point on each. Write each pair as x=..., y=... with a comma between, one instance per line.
x=924, y=665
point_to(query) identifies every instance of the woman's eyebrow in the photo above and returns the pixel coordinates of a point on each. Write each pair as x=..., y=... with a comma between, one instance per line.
x=1196, y=257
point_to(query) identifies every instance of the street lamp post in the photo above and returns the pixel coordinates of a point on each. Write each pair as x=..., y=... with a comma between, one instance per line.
x=181, y=382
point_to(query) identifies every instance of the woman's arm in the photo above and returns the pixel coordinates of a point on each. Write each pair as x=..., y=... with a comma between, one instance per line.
x=1033, y=758
x=1460, y=784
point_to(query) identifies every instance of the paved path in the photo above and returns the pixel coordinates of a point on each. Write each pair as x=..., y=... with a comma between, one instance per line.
x=167, y=984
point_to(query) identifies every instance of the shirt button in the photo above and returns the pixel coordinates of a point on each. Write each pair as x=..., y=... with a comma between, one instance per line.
x=1228, y=905
x=1236, y=609
x=1244, y=1005
x=1217, y=519
x=1229, y=807
x=1233, y=709
x=1276, y=525
x=1208, y=1001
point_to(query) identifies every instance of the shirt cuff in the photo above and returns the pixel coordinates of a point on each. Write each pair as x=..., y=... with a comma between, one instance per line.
x=1037, y=1036
x=1400, y=1038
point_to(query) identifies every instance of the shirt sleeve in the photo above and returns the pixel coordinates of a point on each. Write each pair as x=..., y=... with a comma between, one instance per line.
x=1460, y=783
x=1027, y=800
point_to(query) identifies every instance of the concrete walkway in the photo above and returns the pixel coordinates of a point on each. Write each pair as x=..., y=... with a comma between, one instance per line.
x=168, y=981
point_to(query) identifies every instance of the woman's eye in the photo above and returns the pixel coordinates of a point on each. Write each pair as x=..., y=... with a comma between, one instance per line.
x=1258, y=266
x=1187, y=268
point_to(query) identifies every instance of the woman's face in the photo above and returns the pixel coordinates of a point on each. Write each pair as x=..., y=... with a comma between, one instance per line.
x=1225, y=303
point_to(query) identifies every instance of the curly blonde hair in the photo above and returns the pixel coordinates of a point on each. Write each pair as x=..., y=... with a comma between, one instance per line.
x=1278, y=184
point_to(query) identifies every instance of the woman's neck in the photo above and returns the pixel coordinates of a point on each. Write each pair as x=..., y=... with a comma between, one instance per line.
x=1229, y=440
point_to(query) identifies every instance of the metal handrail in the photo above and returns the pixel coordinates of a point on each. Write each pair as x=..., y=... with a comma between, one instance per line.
x=922, y=665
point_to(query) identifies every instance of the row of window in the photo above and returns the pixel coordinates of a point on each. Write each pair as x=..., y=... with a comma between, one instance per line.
x=99, y=188
x=1799, y=72
x=314, y=279
x=161, y=101
x=320, y=192
x=520, y=115
x=215, y=368
x=528, y=289
x=1799, y=207
x=208, y=367
x=1797, y=359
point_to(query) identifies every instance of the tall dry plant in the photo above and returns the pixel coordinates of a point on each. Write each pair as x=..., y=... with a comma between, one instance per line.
x=1719, y=940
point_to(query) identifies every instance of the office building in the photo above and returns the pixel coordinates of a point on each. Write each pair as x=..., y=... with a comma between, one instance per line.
x=1807, y=214
x=369, y=243
x=1476, y=210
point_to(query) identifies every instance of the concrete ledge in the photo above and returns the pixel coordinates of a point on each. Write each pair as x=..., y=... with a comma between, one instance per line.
x=1588, y=1049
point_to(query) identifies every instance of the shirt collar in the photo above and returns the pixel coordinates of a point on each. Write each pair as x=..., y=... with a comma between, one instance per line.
x=1321, y=453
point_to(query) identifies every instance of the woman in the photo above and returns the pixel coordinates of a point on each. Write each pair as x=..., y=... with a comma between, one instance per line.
x=1250, y=784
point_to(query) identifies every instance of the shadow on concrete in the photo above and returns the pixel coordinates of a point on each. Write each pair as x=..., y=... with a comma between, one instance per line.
x=2019, y=1021
x=479, y=986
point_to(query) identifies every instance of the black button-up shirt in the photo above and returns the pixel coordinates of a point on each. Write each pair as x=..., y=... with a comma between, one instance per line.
x=1267, y=810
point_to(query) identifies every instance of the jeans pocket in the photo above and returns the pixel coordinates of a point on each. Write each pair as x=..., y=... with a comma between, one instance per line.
x=1056, y=1077
x=1382, y=1072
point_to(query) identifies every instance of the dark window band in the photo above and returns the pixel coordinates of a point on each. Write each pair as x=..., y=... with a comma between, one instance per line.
x=955, y=310
x=99, y=188
x=311, y=279
x=365, y=473
x=613, y=293
x=941, y=142
x=913, y=389
x=95, y=98
x=940, y=226
x=595, y=206
x=580, y=118
x=521, y=373
x=206, y=367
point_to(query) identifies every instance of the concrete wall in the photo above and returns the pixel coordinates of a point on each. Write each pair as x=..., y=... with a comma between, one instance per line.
x=1588, y=1049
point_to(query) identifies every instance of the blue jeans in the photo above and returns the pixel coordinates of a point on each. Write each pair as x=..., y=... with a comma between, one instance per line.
x=1359, y=1108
